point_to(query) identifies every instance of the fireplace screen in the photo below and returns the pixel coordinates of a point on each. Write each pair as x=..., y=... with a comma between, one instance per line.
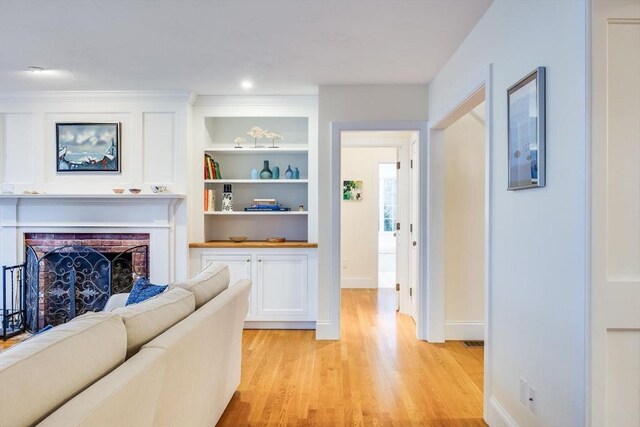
x=71, y=280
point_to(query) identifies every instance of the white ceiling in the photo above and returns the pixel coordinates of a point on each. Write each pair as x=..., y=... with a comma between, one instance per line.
x=285, y=46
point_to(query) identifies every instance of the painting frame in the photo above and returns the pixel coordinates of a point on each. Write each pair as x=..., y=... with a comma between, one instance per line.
x=352, y=190
x=99, y=155
x=526, y=132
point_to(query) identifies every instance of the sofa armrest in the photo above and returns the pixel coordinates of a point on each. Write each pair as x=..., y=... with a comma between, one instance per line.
x=116, y=301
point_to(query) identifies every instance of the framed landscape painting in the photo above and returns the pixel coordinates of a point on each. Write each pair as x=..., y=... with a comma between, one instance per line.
x=88, y=147
x=526, y=118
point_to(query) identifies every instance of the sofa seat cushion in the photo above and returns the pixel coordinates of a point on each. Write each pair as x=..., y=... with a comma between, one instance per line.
x=39, y=375
x=150, y=318
x=208, y=283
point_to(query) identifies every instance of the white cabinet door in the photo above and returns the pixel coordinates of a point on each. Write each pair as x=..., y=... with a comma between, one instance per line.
x=239, y=268
x=283, y=288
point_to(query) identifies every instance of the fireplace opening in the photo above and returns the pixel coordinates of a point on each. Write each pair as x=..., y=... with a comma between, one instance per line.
x=70, y=274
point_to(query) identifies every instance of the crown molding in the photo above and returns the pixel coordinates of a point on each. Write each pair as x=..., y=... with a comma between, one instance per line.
x=257, y=100
x=99, y=96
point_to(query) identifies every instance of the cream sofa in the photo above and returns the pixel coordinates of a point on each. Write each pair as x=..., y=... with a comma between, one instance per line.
x=173, y=360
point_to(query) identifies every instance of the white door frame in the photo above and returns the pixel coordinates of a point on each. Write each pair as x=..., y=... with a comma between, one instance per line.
x=336, y=186
x=434, y=299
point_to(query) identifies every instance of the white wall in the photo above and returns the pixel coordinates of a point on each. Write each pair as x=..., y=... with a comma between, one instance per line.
x=153, y=145
x=341, y=104
x=537, y=256
x=464, y=229
x=359, y=219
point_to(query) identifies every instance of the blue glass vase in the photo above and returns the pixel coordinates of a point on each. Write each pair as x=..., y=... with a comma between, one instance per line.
x=289, y=173
x=265, y=173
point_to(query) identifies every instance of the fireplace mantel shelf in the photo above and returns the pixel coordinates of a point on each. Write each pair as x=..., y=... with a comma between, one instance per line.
x=94, y=196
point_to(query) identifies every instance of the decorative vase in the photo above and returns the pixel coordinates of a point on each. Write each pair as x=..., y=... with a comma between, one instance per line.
x=265, y=173
x=254, y=173
x=227, y=199
x=289, y=173
x=296, y=173
x=276, y=172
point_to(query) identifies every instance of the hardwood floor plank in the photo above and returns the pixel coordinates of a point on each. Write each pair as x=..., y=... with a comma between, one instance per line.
x=378, y=374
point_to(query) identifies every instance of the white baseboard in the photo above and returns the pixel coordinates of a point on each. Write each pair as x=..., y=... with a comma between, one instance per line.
x=251, y=324
x=358, y=283
x=458, y=331
x=498, y=416
x=326, y=331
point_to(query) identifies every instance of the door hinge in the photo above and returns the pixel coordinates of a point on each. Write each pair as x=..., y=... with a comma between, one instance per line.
x=398, y=165
x=411, y=292
x=411, y=228
x=397, y=226
x=398, y=287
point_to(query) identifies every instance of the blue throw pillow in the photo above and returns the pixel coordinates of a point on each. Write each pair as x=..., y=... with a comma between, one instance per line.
x=143, y=290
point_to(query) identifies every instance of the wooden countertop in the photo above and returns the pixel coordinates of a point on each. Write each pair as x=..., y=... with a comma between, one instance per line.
x=253, y=244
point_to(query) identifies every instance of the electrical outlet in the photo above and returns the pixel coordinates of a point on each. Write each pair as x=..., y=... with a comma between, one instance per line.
x=533, y=400
x=524, y=392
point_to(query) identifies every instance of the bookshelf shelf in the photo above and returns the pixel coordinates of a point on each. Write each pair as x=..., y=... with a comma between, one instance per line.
x=256, y=181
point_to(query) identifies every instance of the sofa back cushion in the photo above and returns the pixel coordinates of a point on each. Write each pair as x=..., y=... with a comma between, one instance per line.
x=42, y=373
x=208, y=283
x=146, y=320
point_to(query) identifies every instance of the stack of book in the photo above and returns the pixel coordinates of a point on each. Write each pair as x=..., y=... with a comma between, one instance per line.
x=266, y=205
x=211, y=168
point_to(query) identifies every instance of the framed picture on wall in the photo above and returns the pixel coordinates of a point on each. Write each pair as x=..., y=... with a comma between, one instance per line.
x=526, y=138
x=88, y=147
x=352, y=190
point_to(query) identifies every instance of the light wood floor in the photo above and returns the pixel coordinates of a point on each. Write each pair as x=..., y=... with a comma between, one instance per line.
x=377, y=374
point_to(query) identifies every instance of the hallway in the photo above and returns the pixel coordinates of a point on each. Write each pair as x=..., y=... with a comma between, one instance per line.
x=377, y=374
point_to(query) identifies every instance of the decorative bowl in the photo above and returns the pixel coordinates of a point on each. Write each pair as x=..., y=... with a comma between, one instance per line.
x=118, y=190
x=276, y=239
x=238, y=239
x=134, y=190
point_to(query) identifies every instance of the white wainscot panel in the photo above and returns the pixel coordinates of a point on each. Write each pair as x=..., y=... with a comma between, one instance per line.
x=623, y=154
x=159, y=148
x=19, y=158
x=623, y=378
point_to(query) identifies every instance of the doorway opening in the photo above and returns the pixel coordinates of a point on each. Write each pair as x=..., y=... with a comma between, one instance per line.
x=458, y=292
x=464, y=181
x=375, y=216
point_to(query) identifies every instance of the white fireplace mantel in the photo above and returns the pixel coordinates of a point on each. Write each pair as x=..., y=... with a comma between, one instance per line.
x=159, y=215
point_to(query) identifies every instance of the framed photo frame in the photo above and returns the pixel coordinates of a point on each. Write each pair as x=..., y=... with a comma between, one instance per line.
x=526, y=131
x=88, y=147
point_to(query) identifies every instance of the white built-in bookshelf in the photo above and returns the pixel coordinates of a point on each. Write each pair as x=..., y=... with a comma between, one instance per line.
x=235, y=166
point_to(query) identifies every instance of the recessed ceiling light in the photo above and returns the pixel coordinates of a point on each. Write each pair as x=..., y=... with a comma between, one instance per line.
x=246, y=84
x=35, y=69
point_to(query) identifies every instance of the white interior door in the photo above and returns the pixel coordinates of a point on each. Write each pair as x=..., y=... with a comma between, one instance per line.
x=615, y=215
x=414, y=258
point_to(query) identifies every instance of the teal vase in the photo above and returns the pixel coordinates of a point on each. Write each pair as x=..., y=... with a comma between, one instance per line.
x=265, y=173
x=276, y=172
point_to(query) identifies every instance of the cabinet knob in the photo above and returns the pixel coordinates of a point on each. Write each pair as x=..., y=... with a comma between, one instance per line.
x=248, y=260
x=415, y=243
x=259, y=260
